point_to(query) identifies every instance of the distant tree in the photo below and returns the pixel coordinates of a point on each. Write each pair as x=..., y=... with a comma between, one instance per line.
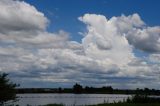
x=7, y=89
x=59, y=90
x=109, y=89
x=147, y=91
x=87, y=89
x=77, y=88
x=138, y=91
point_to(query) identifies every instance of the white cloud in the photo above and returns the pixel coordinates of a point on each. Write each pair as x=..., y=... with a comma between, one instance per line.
x=146, y=39
x=102, y=34
x=114, y=47
x=20, y=16
x=105, y=55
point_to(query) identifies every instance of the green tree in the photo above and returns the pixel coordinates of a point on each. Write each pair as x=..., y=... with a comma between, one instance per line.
x=7, y=89
x=77, y=88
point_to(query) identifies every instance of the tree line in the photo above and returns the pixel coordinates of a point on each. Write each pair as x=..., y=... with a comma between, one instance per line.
x=78, y=89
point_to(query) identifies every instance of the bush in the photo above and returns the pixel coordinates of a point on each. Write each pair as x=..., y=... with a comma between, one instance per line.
x=7, y=89
x=143, y=99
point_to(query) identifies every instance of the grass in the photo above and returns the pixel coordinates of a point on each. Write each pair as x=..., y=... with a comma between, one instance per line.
x=117, y=104
x=128, y=104
x=137, y=100
x=54, y=105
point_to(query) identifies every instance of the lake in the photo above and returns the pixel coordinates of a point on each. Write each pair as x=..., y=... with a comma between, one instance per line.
x=68, y=99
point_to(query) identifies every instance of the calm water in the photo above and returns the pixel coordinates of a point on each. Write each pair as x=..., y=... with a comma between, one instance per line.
x=68, y=99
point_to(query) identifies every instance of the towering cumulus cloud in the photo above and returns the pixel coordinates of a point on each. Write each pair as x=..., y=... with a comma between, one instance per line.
x=35, y=57
x=104, y=41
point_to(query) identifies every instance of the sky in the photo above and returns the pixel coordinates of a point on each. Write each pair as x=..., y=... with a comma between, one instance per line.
x=57, y=43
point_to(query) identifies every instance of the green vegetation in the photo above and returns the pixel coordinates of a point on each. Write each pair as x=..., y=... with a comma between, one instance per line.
x=7, y=89
x=54, y=105
x=118, y=104
x=77, y=89
x=143, y=99
x=137, y=100
x=129, y=104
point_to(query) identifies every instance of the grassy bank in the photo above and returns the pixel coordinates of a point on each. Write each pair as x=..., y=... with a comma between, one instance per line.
x=128, y=104
x=54, y=105
x=119, y=104
x=137, y=100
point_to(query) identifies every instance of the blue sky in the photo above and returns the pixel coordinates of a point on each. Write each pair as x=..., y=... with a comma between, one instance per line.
x=63, y=13
x=53, y=43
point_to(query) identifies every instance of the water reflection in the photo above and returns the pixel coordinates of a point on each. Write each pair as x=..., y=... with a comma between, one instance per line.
x=68, y=99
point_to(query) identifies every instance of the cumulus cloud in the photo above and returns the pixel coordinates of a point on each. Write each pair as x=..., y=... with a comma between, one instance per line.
x=115, y=36
x=20, y=16
x=146, y=39
x=103, y=35
x=137, y=32
x=106, y=55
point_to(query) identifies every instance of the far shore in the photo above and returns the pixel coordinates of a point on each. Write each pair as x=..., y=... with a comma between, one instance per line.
x=78, y=89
